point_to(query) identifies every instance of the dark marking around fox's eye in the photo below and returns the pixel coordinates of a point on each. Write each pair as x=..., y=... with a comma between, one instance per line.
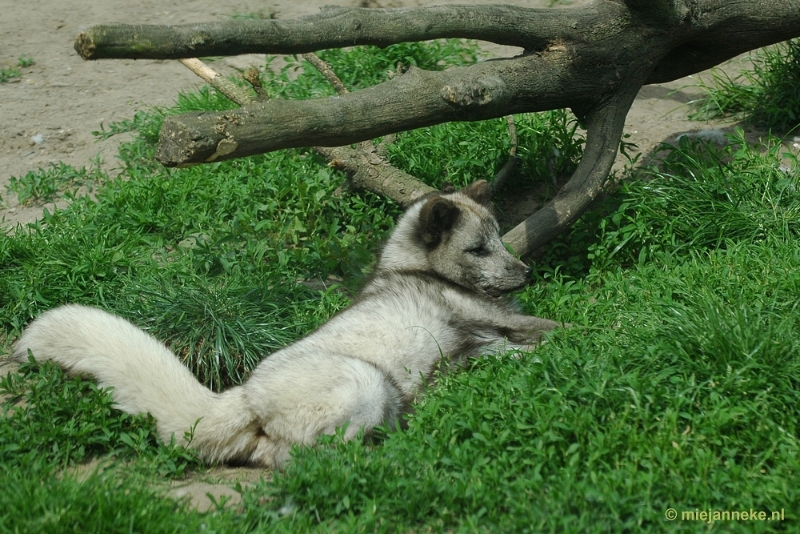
x=479, y=251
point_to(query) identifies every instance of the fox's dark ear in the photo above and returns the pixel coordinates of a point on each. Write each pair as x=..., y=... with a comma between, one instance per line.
x=480, y=192
x=437, y=216
x=447, y=187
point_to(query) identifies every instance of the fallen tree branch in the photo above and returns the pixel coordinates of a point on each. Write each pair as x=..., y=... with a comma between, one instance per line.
x=481, y=91
x=592, y=59
x=701, y=33
x=367, y=170
x=578, y=68
x=333, y=27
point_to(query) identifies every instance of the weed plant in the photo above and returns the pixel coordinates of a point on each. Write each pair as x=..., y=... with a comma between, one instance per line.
x=768, y=96
x=7, y=73
x=25, y=61
x=676, y=387
x=52, y=420
x=45, y=185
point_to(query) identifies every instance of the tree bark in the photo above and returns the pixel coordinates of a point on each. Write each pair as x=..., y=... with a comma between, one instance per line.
x=603, y=132
x=415, y=99
x=333, y=27
x=592, y=59
x=368, y=170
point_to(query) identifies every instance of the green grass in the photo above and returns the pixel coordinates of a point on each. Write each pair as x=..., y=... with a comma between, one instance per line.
x=768, y=96
x=678, y=385
x=8, y=73
x=51, y=420
x=46, y=185
x=460, y=154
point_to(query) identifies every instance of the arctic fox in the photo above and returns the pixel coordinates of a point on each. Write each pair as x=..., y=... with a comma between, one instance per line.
x=438, y=291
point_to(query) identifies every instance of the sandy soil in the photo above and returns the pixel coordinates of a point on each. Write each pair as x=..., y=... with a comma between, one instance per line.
x=49, y=113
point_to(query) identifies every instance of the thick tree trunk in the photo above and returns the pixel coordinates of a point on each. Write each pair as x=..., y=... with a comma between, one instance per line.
x=592, y=59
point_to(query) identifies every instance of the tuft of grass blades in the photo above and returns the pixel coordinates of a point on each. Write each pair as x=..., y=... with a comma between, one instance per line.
x=549, y=146
x=768, y=96
x=51, y=420
x=222, y=328
x=97, y=502
x=45, y=185
x=703, y=196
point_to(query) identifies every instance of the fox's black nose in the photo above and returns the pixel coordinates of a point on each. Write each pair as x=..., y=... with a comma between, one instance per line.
x=528, y=271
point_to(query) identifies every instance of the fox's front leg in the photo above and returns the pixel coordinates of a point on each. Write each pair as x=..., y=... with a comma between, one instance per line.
x=518, y=332
x=511, y=331
x=499, y=325
x=524, y=329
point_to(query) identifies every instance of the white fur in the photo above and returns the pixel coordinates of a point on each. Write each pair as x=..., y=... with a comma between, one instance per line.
x=434, y=295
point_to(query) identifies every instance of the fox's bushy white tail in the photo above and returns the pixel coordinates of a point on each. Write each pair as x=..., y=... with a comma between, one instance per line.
x=145, y=375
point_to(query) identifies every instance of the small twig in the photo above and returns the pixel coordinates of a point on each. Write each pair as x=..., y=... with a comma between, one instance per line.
x=508, y=169
x=382, y=148
x=327, y=72
x=367, y=167
x=218, y=81
x=252, y=77
x=503, y=174
x=512, y=132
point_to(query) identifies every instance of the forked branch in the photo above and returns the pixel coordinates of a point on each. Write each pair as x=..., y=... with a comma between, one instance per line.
x=365, y=166
x=603, y=133
x=592, y=59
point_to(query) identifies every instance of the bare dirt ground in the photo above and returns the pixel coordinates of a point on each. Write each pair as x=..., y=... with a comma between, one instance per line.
x=48, y=114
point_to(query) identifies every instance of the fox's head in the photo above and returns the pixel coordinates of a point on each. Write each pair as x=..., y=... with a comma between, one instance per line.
x=453, y=234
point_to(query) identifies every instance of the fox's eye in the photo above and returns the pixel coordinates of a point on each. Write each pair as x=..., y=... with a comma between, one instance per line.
x=479, y=251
